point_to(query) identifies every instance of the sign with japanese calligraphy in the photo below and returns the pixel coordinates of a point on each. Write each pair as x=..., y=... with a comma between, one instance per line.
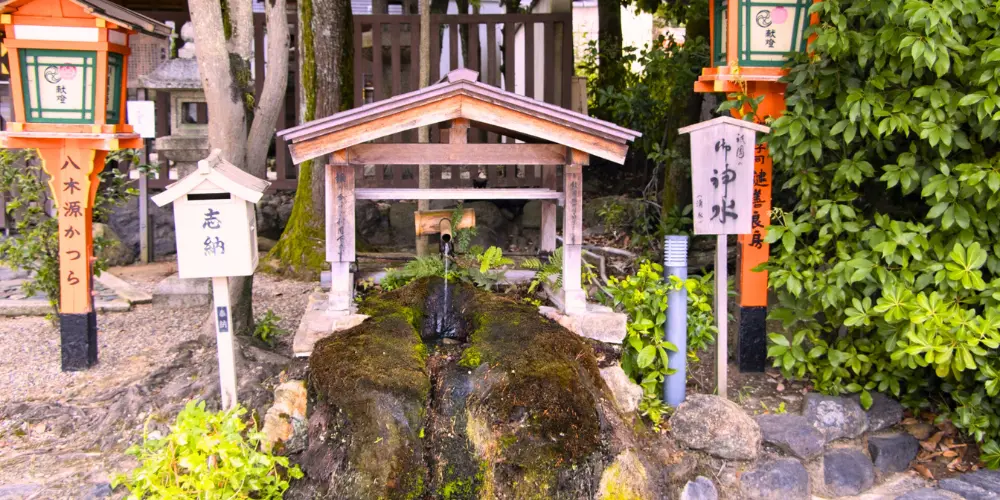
x=59, y=85
x=722, y=175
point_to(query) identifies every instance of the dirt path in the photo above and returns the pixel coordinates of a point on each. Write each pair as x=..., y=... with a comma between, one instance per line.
x=63, y=435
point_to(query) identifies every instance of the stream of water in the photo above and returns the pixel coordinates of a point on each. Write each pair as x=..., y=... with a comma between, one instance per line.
x=445, y=328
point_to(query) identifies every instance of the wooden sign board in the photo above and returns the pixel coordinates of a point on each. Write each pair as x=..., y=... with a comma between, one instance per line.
x=722, y=174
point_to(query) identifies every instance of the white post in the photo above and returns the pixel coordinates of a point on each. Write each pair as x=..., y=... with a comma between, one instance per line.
x=224, y=339
x=722, y=314
x=145, y=250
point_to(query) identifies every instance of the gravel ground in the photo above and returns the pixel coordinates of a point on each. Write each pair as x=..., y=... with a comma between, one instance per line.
x=131, y=346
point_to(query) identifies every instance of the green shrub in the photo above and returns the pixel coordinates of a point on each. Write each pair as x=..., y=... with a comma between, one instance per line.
x=481, y=268
x=886, y=258
x=207, y=456
x=643, y=297
x=34, y=244
x=266, y=328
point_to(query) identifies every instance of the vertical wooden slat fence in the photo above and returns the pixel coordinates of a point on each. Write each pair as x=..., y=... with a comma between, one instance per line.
x=503, y=48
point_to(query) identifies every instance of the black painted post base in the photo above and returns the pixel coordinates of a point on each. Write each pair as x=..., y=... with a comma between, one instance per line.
x=78, y=336
x=752, y=343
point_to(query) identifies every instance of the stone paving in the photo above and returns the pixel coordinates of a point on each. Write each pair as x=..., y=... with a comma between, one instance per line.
x=110, y=294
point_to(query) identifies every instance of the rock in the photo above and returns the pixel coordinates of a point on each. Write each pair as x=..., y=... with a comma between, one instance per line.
x=124, y=221
x=401, y=224
x=13, y=491
x=885, y=412
x=114, y=252
x=599, y=322
x=717, y=426
x=847, y=471
x=892, y=453
x=285, y=421
x=978, y=485
x=265, y=245
x=782, y=479
x=835, y=417
x=175, y=292
x=531, y=215
x=273, y=211
x=627, y=393
x=927, y=494
x=701, y=488
x=921, y=430
x=625, y=478
x=792, y=434
x=372, y=224
x=97, y=491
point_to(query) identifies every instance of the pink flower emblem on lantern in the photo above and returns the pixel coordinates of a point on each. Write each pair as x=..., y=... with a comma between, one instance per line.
x=67, y=72
x=779, y=15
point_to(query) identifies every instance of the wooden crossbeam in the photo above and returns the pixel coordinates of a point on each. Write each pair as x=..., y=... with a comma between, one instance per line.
x=458, y=194
x=457, y=154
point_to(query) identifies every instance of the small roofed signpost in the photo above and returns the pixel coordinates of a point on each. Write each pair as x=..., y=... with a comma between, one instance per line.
x=722, y=177
x=68, y=76
x=216, y=228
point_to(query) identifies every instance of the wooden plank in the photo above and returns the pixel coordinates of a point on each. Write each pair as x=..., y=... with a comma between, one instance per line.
x=566, y=56
x=435, y=51
x=394, y=54
x=459, y=133
x=359, y=72
x=529, y=59
x=473, y=51
x=340, y=211
x=457, y=154
x=377, y=67
x=480, y=111
x=508, y=56
x=548, y=51
x=453, y=57
x=420, y=116
x=415, y=57
x=457, y=194
x=573, y=216
x=547, y=242
x=224, y=342
x=491, y=55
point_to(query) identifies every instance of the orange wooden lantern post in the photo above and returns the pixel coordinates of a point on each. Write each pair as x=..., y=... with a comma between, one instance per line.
x=750, y=42
x=68, y=74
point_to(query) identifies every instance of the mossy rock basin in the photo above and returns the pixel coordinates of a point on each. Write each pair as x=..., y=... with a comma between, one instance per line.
x=509, y=405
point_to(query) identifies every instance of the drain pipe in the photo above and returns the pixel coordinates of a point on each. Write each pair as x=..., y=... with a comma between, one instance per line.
x=445, y=241
x=675, y=258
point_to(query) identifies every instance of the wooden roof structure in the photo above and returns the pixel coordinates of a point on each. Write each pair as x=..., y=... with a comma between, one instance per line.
x=460, y=96
x=101, y=9
x=222, y=174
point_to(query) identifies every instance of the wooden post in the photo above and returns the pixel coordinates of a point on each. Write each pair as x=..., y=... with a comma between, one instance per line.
x=224, y=340
x=574, y=297
x=145, y=251
x=73, y=181
x=340, y=248
x=722, y=314
x=547, y=241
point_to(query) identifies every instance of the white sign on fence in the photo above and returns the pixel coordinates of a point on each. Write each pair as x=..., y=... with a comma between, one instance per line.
x=722, y=156
x=141, y=115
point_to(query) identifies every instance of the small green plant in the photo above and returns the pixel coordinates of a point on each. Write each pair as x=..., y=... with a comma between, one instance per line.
x=207, y=456
x=653, y=408
x=419, y=268
x=462, y=237
x=471, y=358
x=643, y=297
x=483, y=269
x=266, y=328
x=780, y=410
x=551, y=271
x=489, y=272
x=34, y=244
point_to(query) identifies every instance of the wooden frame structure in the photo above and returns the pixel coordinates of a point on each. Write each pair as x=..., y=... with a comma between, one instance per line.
x=550, y=136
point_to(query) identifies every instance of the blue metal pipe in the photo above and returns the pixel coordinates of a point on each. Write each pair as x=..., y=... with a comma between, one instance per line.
x=675, y=257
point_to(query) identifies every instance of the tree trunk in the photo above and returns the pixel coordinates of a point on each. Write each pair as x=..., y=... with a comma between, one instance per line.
x=224, y=47
x=325, y=46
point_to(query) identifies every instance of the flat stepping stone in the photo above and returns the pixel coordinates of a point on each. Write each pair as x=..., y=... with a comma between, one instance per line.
x=835, y=417
x=847, y=472
x=702, y=488
x=182, y=293
x=792, y=434
x=928, y=494
x=893, y=453
x=782, y=479
x=979, y=485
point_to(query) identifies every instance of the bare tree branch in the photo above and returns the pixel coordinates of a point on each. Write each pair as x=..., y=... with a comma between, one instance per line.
x=273, y=91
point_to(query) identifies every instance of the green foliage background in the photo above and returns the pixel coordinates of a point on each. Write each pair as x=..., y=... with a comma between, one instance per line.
x=887, y=254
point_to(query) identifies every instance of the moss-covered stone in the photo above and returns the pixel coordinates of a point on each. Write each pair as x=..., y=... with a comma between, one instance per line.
x=373, y=385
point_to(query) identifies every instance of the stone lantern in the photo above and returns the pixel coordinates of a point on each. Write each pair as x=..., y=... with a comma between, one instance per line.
x=188, y=139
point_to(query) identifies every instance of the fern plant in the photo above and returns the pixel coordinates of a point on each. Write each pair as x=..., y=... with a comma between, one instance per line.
x=421, y=267
x=551, y=271
x=490, y=270
x=461, y=237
